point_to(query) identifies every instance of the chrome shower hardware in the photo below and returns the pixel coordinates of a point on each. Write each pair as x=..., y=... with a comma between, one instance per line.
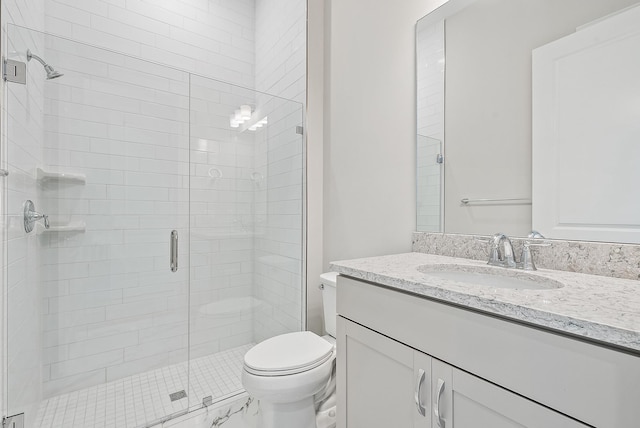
x=14, y=71
x=173, y=251
x=51, y=72
x=31, y=216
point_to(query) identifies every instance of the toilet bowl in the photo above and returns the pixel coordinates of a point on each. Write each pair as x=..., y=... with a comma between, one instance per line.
x=292, y=374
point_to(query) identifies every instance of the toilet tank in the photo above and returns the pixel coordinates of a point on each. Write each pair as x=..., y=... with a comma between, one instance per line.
x=328, y=281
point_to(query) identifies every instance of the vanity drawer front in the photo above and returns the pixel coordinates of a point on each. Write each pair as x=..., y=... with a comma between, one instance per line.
x=591, y=383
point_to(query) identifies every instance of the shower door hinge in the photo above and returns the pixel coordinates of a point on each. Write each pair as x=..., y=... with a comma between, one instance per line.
x=14, y=71
x=439, y=158
x=15, y=421
x=299, y=130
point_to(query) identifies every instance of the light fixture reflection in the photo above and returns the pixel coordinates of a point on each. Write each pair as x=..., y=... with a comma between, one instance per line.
x=240, y=116
x=259, y=124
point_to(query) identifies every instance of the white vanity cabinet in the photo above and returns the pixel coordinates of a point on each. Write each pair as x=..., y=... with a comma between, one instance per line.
x=479, y=371
x=389, y=384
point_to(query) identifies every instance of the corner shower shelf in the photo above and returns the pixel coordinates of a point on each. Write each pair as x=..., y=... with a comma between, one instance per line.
x=47, y=176
x=75, y=226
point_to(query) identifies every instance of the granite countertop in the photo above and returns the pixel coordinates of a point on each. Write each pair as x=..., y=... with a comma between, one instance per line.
x=597, y=308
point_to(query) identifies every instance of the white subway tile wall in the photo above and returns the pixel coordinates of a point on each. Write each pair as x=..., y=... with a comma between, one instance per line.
x=113, y=308
x=281, y=48
x=430, y=57
x=109, y=305
x=221, y=219
x=281, y=70
x=22, y=127
x=231, y=304
x=278, y=223
x=211, y=38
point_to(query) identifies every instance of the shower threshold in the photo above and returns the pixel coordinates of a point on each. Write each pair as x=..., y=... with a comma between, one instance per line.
x=144, y=399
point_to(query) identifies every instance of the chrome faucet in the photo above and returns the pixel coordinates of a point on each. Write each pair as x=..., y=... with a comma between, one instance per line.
x=502, y=252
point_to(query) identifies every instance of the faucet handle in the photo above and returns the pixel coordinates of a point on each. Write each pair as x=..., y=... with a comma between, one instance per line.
x=535, y=235
x=526, y=258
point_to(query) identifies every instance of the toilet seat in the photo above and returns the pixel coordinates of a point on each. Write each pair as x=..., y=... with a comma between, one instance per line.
x=288, y=354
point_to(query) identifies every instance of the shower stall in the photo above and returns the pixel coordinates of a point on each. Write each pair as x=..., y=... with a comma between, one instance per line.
x=173, y=240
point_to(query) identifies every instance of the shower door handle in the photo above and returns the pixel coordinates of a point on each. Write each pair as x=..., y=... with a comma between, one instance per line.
x=173, y=251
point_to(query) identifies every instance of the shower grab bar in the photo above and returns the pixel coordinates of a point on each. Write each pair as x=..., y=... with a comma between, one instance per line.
x=467, y=201
x=173, y=252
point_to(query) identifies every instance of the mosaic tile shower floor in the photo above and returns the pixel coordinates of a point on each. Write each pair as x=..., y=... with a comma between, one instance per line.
x=137, y=400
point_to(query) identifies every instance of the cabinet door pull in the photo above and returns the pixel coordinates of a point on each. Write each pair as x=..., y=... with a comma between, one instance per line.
x=436, y=408
x=416, y=394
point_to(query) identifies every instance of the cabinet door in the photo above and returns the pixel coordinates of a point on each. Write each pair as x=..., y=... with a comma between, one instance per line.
x=381, y=383
x=466, y=401
x=442, y=393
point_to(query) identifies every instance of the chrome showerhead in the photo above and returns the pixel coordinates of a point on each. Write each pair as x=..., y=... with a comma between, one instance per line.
x=51, y=72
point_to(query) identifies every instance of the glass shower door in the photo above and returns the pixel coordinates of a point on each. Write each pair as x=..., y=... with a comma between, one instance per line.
x=97, y=321
x=247, y=169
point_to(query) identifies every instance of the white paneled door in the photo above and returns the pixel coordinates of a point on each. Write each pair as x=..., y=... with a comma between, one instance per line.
x=586, y=132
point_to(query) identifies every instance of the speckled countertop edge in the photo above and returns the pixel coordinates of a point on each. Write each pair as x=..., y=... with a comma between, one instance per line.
x=594, y=307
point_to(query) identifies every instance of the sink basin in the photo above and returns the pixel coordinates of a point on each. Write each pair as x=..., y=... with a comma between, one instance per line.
x=494, y=277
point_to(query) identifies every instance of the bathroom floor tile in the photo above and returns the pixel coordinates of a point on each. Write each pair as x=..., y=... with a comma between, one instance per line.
x=137, y=400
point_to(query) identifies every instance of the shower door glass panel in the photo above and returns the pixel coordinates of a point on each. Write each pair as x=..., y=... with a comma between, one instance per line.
x=97, y=321
x=429, y=173
x=246, y=229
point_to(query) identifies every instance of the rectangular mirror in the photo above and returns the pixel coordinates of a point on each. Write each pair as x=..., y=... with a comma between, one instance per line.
x=430, y=123
x=474, y=94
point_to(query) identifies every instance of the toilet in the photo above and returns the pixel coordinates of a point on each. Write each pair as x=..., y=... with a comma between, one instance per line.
x=292, y=375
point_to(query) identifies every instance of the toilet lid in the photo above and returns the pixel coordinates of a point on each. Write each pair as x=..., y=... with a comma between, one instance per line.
x=288, y=354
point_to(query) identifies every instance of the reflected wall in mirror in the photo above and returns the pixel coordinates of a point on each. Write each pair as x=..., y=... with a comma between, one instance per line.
x=478, y=102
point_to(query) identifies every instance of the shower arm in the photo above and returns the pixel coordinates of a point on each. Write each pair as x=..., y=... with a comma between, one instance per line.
x=51, y=72
x=36, y=57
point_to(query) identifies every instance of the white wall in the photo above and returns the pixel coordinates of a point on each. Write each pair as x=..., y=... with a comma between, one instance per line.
x=370, y=134
x=430, y=69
